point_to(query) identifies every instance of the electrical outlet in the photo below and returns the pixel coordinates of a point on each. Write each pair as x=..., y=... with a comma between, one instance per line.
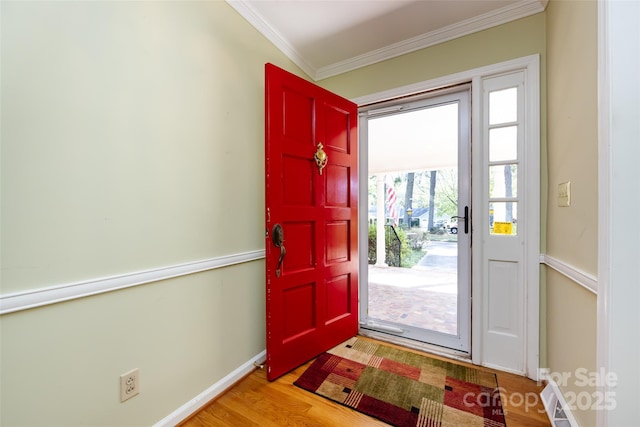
x=129, y=384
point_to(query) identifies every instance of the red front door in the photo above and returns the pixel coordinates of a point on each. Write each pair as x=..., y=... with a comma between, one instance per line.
x=311, y=194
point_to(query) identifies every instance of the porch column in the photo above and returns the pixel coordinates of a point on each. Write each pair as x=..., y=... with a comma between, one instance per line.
x=380, y=220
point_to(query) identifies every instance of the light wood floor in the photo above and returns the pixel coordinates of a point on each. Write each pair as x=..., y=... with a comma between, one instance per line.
x=254, y=401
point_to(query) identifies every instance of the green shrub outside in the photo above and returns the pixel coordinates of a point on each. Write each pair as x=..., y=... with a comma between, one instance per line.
x=391, y=247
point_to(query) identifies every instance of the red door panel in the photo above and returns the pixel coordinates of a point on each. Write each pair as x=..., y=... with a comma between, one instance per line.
x=337, y=187
x=300, y=250
x=336, y=123
x=338, y=301
x=311, y=284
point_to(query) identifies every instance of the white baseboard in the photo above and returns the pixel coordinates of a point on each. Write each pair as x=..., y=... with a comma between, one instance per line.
x=509, y=370
x=195, y=404
x=556, y=406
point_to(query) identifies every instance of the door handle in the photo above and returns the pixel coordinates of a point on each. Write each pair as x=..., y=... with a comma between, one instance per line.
x=465, y=218
x=277, y=237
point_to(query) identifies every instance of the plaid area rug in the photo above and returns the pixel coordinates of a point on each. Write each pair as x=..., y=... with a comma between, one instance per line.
x=404, y=388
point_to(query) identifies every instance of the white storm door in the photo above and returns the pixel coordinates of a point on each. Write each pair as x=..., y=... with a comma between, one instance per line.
x=432, y=300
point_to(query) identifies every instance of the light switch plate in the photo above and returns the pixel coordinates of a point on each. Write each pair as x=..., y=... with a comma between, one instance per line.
x=564, y=194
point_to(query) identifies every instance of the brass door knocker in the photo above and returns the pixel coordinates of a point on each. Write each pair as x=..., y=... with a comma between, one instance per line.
x=321, y=158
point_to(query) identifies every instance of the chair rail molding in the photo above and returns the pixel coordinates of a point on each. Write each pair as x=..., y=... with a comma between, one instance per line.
x=586, y=280
x=19, y=301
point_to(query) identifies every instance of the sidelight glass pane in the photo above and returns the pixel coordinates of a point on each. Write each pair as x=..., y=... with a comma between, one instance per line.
x=503, y=144
x=503, y=181
x=503, y=218
x=503, y=106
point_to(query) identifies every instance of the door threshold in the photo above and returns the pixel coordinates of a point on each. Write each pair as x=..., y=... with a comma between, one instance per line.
x=417, y=345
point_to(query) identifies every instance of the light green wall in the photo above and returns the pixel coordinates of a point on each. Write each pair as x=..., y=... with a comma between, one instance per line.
x=121, y=121
x=132, y=138
x=572, y=232
x=61, y=363
x=572, y=338
x=572, y=131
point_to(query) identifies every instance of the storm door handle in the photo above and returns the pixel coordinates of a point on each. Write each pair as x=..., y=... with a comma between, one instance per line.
x=465, y=218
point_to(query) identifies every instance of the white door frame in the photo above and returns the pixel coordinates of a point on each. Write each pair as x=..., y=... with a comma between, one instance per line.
x=531, y=316
x=618, y=251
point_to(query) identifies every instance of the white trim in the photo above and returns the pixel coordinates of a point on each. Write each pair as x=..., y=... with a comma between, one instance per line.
x=586, y=280
x=194, y=405
x=603, y=360
x=552, y=394
x=39, y=297
x=509, y=13
x=477, y=175
x=451, y=79
x=532, y=206
x=618, y=197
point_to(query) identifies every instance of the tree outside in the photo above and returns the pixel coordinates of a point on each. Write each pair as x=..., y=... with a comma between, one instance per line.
x=427, y=199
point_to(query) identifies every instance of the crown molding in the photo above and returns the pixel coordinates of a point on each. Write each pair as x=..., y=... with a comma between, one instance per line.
x=481, y=22
x=501, y=16
x=257, y=21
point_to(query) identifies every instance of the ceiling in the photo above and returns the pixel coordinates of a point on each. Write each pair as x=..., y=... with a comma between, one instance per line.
x=328, y=37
